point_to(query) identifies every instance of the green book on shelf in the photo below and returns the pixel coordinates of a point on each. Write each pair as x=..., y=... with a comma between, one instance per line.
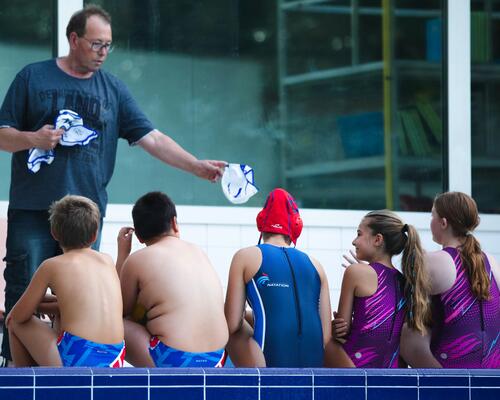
x=432, y=119
x=420, y=132
x=411, y=134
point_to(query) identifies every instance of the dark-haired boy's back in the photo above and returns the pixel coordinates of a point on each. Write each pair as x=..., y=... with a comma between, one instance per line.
x=181, y=292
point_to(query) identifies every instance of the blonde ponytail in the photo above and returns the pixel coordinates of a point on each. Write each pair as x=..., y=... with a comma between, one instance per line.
x=400, y=237
x=417, y=285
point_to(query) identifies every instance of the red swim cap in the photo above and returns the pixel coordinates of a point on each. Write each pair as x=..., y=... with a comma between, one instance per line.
x=280, y=215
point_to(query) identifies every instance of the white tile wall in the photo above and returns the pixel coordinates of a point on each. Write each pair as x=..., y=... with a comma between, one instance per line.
x=324, y=238
x=328, y=234
x=223, y=235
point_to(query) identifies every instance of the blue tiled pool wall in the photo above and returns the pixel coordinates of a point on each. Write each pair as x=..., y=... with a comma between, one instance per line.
x=247, y=384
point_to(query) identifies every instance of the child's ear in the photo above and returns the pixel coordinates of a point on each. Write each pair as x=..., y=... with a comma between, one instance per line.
x=141, y=241
x=54, y=235
x=175, y=226
x=379, y=240
x=444, y=223
x=94, y=237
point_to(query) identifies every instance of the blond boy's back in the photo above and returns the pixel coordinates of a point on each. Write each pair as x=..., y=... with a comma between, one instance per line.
x=88, y=294
x=89, y=302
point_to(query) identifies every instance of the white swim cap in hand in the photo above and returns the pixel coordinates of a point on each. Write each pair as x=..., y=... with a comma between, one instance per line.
x=238, y=183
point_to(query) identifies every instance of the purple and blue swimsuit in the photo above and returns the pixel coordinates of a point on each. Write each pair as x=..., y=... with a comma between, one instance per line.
x=373, y=341
x=466, y=331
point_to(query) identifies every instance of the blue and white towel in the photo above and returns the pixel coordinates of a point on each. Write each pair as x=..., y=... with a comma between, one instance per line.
x=238, y=183
x=74, y=134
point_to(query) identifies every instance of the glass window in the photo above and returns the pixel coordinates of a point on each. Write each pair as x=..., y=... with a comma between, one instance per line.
x=485, y=98
x=205, y=74
x=340, y=104
x=26, y=36
x=361, y=97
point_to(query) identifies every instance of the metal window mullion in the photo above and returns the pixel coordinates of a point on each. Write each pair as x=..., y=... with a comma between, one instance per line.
x=459, y=96
x=65, y=9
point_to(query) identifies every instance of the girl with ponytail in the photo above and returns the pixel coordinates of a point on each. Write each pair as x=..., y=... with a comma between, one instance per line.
x=466, y=300
x=376, y=298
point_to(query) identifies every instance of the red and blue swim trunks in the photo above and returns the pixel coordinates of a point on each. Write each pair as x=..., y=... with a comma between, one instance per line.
x=165, y=356
x=79, y=352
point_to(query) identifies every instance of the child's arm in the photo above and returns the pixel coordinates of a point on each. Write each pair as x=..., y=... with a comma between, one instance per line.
x=441, y=269
x=349, y=283
x=495, y=268
x=124, y=242
x=242, y=348
x=325, y=308
x=339, y=328
x=234, y=306
x=415, y=349
x=48, y=305
x=27, y=305
x=130, y=285
x=335, y=355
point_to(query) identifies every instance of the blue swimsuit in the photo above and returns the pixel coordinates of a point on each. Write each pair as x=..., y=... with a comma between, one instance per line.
x=284, y=295
x=165, y=356
x=79, y=352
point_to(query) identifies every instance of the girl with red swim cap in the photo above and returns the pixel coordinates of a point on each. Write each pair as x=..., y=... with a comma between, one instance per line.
x=287, y=291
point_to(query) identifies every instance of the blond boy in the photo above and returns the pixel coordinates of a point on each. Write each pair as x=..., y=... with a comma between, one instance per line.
x=88, y=302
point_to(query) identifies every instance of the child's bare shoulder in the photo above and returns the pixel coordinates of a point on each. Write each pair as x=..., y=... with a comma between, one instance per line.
x=54, y=267
x=105, y=258
x=250, y=250
x=247, y=256
x=54, y=262
x=437, y=257
x=140, y=260
x=358, y=272
x=317, y=264
x=359, y=269
x=438, y=262
x=141, y=254
x=49, y=266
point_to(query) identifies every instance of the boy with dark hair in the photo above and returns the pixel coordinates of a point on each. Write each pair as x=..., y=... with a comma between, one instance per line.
x=88, y=305
x=177, y=286
x=153, y=214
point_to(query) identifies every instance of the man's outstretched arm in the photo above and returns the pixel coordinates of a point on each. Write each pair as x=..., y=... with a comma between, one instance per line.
x=164, y=148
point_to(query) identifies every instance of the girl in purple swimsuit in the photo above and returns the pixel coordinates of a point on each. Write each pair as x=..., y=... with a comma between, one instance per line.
x=376, y=298
x=465, y=287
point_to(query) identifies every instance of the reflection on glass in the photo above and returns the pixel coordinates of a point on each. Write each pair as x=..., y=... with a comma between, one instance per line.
x=361, y=101
x=485, y=100
x=204, y=73
x=339, y=102
x=26, y=36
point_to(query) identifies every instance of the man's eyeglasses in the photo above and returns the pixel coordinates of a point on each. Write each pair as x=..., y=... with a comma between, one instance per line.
x=97, y=46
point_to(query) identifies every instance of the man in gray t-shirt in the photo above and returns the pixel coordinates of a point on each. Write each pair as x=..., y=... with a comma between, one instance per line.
x=27, y=117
